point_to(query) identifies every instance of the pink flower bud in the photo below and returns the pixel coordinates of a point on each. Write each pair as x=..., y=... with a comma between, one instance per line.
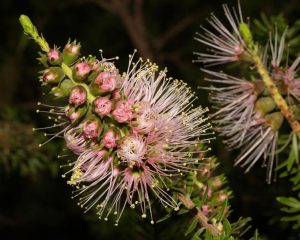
x=71, y=113
x=109, y=138
x=123, y=111
x=106, y=82
x=222, y=197
x=81, y=71
x=53, y=75
x=102, y=106
x=71, y=52
x=57, y=92
x=92, y=128
x=205, y=210
x=116, y=95
x=78, y=95
x=54, y=57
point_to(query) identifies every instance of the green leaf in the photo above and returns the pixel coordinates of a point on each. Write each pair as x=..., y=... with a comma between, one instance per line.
x=192, y=226
x=289, y=201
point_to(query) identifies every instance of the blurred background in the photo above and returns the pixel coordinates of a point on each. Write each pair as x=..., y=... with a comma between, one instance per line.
x=35, y=200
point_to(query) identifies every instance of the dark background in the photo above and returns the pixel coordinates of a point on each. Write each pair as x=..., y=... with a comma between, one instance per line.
x=34, y=200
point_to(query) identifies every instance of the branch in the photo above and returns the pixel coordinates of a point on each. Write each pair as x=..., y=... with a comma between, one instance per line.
x=202, y=219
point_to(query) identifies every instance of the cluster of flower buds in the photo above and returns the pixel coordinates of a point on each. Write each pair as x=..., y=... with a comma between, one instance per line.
x=133, y=134
x=250, y=112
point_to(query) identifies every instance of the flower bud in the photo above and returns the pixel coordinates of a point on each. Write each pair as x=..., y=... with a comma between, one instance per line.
x=109, y=138
x=53, y=75
x=221, y=197
x=71, y=52
x=205, y=209
x=106, y=82
x=54, y=57
x=74, y=114
x=78, y=95
x=275, y=120
x=265, y=105
x=63, y=89
x=66, y=86
x=116, y=95
x=92, y=128
x=81, y=70
x=57, y=92
x=123, y=111
x=296, y=111
x=102, y=106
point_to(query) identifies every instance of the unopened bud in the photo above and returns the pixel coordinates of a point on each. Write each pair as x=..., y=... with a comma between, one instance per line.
x=66, y=86
x=81, y=70
x=71, y=52
x=78, y=95
x=54, y=57
x=92, y=128
x=57, y=92
x=296, y=111
x=265, y=105
x=275, y=120
x=53, y=75
x=110, y=137
x=74, y=113
x=102, y=106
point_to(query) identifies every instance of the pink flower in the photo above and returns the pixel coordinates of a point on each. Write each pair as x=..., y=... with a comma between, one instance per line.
x=106, y=81
x=75, y=140
x=109, y=138
x=132, y=149
x=92, y=128
x=78, y=95
x=123, y=111
x=102, y=106
x=144, y=119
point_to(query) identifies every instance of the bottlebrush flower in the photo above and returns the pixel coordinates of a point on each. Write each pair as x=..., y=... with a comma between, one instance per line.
x=226, y=45
x=142, y=164
x=131, y=146
x=286, y=76
x=246, y=119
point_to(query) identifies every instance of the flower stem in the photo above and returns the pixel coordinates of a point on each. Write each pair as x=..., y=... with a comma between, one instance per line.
x=270, y=85
x=273, y=90
x=202, y=219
